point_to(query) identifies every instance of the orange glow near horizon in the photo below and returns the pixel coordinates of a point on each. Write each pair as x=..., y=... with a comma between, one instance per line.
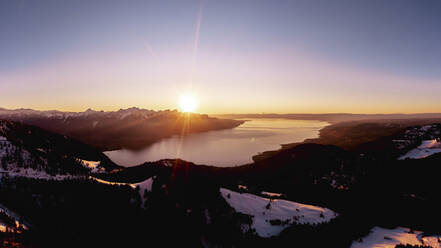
x=220, y=110
x=336, y=89
x=273, y=59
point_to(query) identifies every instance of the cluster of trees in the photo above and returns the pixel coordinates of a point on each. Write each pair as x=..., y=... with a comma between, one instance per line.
x=15, y=156
x=69, y=211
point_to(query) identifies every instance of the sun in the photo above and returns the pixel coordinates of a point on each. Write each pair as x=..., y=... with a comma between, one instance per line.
x=188, y=103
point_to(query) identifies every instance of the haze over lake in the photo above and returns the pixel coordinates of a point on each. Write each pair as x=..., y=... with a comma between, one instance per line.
x=224, y=148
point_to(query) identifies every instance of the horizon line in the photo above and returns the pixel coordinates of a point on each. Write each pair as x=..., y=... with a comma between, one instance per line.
x=247, y=113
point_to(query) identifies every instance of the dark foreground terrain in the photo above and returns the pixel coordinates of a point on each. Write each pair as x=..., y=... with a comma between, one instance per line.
x=53, y=194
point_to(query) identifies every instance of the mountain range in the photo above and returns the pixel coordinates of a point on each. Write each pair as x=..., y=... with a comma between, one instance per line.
x=132, y=128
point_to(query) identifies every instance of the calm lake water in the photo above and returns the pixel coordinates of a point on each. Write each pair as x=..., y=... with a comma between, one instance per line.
x=224, y=148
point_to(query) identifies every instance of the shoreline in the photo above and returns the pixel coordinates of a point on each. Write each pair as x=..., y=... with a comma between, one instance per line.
x=262, y=155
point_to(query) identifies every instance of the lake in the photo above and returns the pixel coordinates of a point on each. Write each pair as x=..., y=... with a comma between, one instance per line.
x=224, y=148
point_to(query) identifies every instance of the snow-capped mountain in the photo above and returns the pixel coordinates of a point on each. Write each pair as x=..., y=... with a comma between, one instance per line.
x=131, y=128
x=122, y=113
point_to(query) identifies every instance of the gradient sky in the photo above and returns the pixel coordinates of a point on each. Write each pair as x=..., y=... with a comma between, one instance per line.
x=381, y=56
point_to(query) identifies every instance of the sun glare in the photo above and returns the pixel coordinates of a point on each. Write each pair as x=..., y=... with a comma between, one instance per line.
x=188, y=103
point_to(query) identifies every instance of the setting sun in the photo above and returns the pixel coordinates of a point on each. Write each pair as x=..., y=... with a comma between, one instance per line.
x=188, y=103
x=225, y=123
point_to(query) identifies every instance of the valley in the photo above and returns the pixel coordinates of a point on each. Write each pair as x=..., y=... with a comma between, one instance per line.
x=317, y=190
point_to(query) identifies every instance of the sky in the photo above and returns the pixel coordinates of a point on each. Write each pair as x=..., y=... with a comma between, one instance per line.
x=247, y=56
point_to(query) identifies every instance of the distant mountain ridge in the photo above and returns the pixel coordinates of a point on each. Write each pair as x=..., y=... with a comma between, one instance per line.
x=66, y=114
x=335, y=117
x=130, y=128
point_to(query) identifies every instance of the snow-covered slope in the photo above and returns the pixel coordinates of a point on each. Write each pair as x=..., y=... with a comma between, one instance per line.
x=93, y=166
x=37, y=153
x=144, y=187
x=110, y=183
x=271, y=195
x=427, y=148
x=16, y=161
x=270, y=217
x=33, y=153
x=426, y=139
x=389, y=238
x=35, y=174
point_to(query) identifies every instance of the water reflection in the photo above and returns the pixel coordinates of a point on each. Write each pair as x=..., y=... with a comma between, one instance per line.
x=225, y=147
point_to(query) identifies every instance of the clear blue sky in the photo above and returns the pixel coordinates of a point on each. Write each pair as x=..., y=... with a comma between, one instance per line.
x=249, y=56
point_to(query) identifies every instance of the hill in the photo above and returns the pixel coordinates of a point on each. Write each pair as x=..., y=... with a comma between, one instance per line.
x=311, y=195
